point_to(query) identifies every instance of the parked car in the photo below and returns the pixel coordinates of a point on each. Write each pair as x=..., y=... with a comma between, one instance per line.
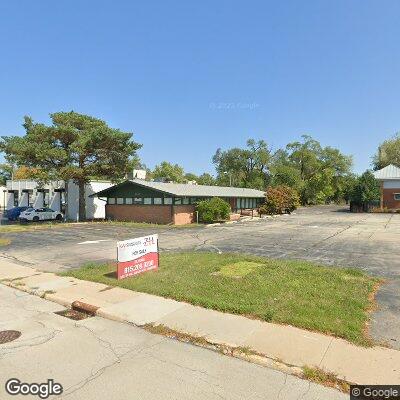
x=40, y=214
x=14, y=213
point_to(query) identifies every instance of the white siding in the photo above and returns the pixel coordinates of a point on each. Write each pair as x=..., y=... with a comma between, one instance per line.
x=3, y=196
x=95, y=207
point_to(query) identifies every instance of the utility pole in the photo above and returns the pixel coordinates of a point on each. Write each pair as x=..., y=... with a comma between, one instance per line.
x=230, y=177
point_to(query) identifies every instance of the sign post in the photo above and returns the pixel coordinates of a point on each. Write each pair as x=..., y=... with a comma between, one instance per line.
x=138, y=255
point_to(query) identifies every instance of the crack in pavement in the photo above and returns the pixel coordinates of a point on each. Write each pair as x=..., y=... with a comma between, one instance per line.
x=301, y=396
x=388, y=221
x=282, y=387
x=117, y=359
x=326, y=351
x=46, y=338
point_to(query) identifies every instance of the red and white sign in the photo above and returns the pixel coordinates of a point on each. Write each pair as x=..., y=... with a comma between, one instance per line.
x=137, y=255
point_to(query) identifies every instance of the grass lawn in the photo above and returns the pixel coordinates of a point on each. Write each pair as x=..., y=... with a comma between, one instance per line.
x=32, y=226
x=335, y=301
x=4, y=241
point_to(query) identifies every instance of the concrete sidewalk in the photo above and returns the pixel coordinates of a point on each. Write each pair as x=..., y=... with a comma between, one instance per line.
x=290, y=345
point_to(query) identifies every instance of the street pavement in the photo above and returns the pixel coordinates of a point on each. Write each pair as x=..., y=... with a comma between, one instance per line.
x=328, y=235
x=97, y=358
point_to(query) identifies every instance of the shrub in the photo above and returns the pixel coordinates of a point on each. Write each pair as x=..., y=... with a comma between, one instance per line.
x=213, y=210
x=279, y=200
x=366, y=189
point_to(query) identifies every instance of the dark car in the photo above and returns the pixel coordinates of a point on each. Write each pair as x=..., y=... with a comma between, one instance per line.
x=13, y=213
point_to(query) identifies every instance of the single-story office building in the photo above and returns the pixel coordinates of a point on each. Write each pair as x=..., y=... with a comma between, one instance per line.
x=389, y=178
x=170, y=203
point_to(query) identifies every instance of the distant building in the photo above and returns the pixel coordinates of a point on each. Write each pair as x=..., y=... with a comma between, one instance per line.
x=29, y=193
x=170, y=203
x=136, y=174
x=139, y=174
x=389, y=178
x=3, y=189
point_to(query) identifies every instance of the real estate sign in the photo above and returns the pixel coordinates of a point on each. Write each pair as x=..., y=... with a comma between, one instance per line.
x=137, y=255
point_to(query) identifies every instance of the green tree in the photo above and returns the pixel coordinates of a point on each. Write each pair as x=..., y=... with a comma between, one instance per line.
x=75, y=146
x=169, y=172
x=348, y=185
x=206, y=179
x=366, y=189
x=6, y=171
x=243, y=167
x=191, y=177
x=388, y=153
x=321, y=170
x=282, y=171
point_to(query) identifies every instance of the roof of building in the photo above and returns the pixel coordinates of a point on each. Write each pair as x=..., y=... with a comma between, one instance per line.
x=389, y=172
x=187, y=190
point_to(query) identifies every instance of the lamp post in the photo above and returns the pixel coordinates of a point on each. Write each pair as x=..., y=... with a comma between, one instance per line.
x=230, y=177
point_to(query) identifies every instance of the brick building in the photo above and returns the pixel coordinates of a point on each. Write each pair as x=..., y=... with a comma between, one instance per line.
x=389, y=178
x=170, y=203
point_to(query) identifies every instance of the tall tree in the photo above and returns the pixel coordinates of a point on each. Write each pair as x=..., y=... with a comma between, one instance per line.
x=169, y=172
x=388, y=153
x=6, y=171
x=206, y=179
x=75, y=146
x=189, y=176
x=366, y=188
x=321, y=170
x=243, y=167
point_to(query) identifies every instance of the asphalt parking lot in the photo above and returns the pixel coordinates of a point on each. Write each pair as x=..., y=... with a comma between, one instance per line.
x=328, y=235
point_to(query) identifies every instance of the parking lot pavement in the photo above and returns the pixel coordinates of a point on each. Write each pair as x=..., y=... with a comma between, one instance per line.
x=95, y=358
x=329, y=235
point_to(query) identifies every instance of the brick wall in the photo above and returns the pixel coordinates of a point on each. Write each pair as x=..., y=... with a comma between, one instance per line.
x=388, y=198
x=159, y=214
x=184, y=215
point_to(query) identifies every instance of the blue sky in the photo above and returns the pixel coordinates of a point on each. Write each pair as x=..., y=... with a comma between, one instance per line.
x=188, y=77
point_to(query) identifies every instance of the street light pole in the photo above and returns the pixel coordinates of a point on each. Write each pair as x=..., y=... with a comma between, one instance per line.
x=230, y=177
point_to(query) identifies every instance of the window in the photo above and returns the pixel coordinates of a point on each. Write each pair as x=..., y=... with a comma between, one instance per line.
x=128, y=200
x=137, y=200
x=157, y=200
x=178, y=200
x=120, y=200
x=397, y=196
x=167, y=200
x=185, y=200
x=111, y=200
x=147, y=200
x=193, y=200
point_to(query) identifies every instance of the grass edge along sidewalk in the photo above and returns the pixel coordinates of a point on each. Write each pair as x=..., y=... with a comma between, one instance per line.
x=330, y=300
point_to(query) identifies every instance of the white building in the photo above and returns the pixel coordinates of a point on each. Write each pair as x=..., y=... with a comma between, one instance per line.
x=139, y=174
x=28, y=193
x=2, y=198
